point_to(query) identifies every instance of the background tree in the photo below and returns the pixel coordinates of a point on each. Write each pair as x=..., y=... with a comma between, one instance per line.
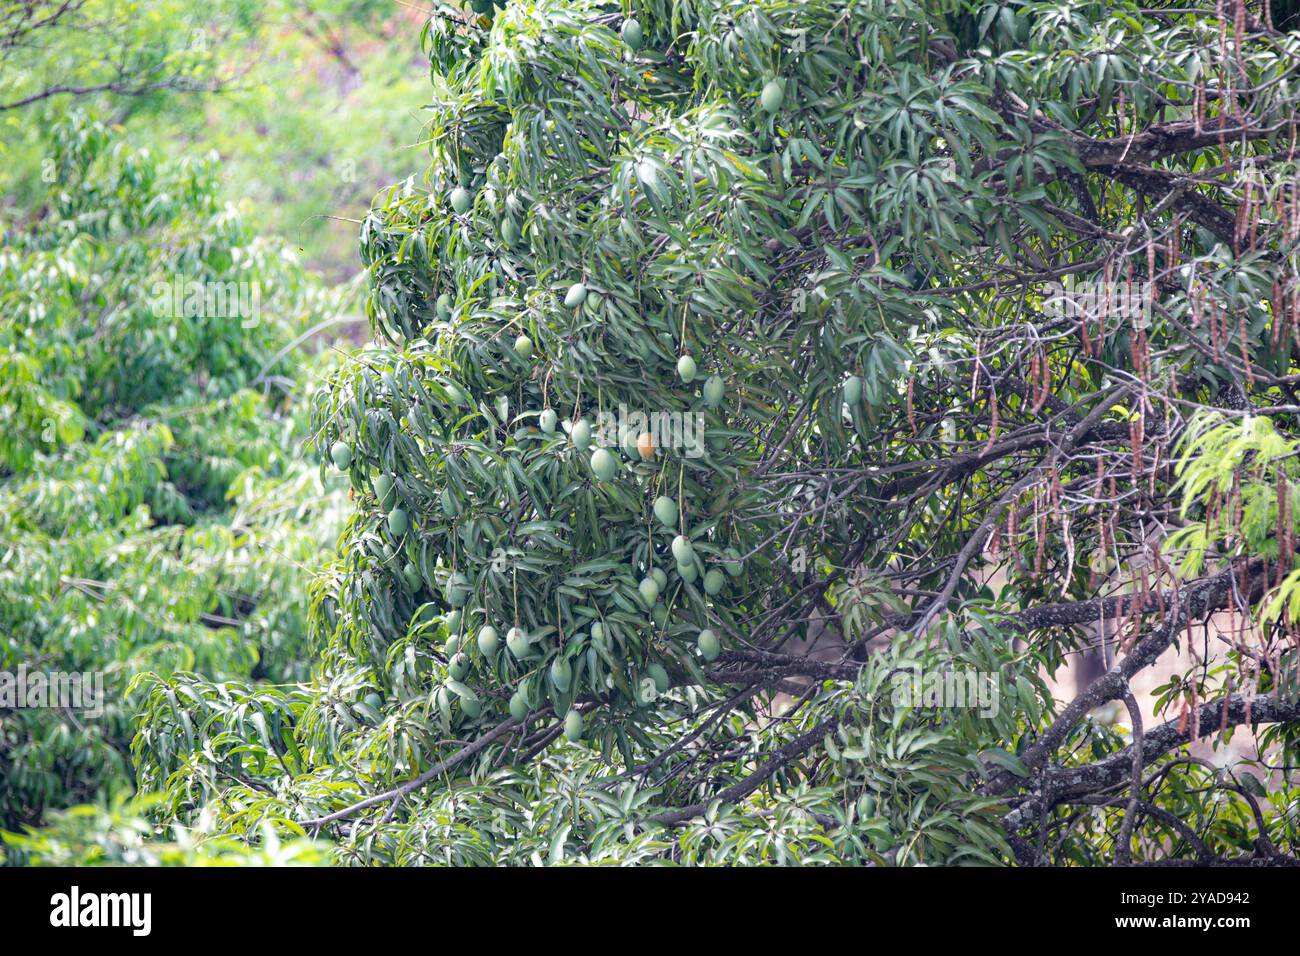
x=154, y=514
x=304, y=102
x=66, y=49
x=855, y=238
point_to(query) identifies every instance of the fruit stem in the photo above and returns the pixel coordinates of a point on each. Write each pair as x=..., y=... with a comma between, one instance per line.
x=681, y=510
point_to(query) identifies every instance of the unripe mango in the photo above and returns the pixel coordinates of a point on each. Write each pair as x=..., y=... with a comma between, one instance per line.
x=580, y=434
x=576, y=295
x=603, y=465
x=665, y=510
x=573, y=726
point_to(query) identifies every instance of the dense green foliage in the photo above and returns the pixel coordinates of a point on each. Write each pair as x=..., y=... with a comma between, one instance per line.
x=851, y=217
x=310, y=114
x=973, y=330
x=154, y=514
x=118, y=835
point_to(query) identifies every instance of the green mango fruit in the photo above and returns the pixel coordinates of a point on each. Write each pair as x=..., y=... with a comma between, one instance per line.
x=580, y=434
x=772, y=97
x=509, y=231
x=458, y=667
x=666, y=511
x=603, y=465
x=573, y=726
x=733, y=566
x=714, y=391
x=518, y=644
x=457, y=590
x=518, y=706
x=649, y=591
x=709, y=645
x=385, y=491
x=632, y=33
x=660, y=677
x=713, y=582
x=576, y=295
x=629, y=446
x=561, y=674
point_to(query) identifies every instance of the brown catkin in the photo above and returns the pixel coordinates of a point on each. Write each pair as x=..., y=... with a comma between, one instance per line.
x=1097, y=484
x=1039, y=537
x=1279, y=313
x=1045, y=385
x=1238, y=34
x=1255, y=212
x=911, y=411
x=1135, y=444
x=1284, y=542
x=1239, y=225
x=1245, y=355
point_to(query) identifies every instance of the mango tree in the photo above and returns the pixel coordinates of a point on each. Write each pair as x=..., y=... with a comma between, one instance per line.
x=740, y=366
